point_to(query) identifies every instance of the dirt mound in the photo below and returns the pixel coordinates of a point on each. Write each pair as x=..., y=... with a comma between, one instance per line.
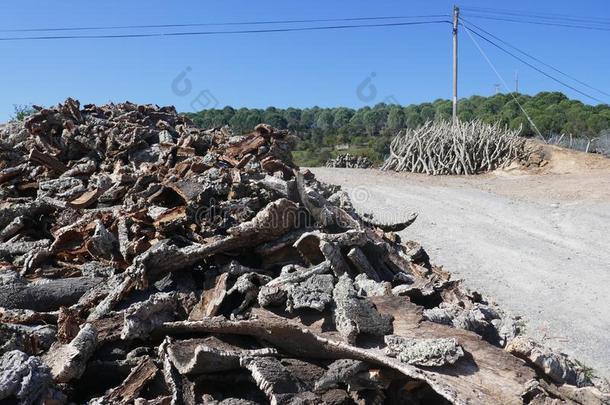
x=563, y=160
x=558, y=160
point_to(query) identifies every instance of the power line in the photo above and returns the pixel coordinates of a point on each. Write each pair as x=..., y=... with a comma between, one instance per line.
x=548, y=16
x=222, y=23
x=468, y=31
x=587, y=27
x=534, y=67
x=555, y=21
x=534, y=58
x=175, y=34
x=577, y=22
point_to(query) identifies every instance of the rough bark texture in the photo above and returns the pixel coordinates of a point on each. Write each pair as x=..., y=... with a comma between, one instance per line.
x=68, y=361
x=45, y=295
x=142, y=317
x=196, y=356
x=423, y=352
x=355, y=315
x=316, y=292
x=23, y=378
x=273, y=379
x=467, y=381
x=557, y=366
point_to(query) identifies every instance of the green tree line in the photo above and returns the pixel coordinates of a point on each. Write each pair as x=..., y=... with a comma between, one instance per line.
x=368, y=130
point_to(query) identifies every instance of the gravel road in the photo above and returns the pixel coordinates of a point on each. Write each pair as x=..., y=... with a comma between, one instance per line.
x=539, y=246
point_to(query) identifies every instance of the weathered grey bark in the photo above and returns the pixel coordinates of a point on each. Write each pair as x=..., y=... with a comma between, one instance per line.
x=103, y=244
x=473, y=381
x=246, y=287
x=170, y=375
x=355, y=315
x=316, y=292
x=143, y=317
x=187, y=190
x=580, y=395
x=210, y=355
x=68, y=361
x=31, y=339
x=423, y=352
x=333, y=254
x=12, y=228
x=8, y=249
x=359, y=260
x=276, y=291
x=317, y=246
x=45, y=295
x=273, y=379
x=105, y=296
x=370, y=288
x=325, y=214
x=286, y=189
x=23, y=378
x=340, y=372
x=555, y=365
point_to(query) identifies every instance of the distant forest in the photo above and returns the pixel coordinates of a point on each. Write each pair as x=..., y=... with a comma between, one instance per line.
x=325, y=132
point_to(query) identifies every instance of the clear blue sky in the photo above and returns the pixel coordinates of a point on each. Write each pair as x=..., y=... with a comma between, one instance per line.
x=300, y=69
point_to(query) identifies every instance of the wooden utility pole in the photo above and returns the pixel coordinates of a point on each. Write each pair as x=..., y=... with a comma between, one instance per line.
x=456, y=15
x=516, y=82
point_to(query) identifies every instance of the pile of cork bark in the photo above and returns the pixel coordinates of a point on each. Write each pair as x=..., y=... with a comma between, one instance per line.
x=146, y=261
x=350, y=161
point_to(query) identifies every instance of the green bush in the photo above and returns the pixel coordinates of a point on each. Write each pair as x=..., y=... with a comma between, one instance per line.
x=21, y=112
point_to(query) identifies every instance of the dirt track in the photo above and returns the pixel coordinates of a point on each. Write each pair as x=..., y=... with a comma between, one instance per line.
x=537, y=243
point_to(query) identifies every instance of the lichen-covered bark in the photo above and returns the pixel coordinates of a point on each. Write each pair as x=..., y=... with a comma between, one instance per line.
x=423, y=352
x=355, y=315
x=23, y=378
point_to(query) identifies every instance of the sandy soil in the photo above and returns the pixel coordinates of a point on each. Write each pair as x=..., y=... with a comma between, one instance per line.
x=538, y=242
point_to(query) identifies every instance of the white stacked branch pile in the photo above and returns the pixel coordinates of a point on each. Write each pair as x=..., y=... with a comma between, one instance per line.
x=462, y=148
